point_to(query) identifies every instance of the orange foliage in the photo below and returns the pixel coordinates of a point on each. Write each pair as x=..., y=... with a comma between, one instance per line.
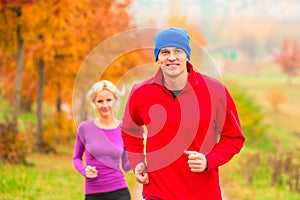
x=14, y=147
x=127, y=62
x=289, y=57
x=62, y=33
x=275, y=97
x=58, y=130
x=14, y=3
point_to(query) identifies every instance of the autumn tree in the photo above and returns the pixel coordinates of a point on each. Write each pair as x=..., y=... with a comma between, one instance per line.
x=289, y=57
x=11, y=36
x=56, y=38
x=68, y=32
x=102, y=20
x=13, y=145
x=47, y=46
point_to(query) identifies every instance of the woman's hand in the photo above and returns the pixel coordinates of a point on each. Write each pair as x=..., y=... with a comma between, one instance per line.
x=91, y=171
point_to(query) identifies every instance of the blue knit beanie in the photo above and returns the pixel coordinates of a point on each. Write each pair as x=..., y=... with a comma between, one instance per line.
x=172, y=37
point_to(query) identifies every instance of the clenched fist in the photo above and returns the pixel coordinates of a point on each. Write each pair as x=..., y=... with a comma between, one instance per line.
x=91, y=171
x=196, y=161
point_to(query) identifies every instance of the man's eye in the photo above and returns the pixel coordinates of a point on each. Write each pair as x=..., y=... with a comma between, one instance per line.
x=179, y=51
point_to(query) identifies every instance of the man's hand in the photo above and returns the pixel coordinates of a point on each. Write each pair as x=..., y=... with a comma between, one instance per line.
x=91, y=172
x=197, y=161
x=141, y=174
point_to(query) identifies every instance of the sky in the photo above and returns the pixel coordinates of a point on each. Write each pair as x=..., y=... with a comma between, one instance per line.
x=144, y=11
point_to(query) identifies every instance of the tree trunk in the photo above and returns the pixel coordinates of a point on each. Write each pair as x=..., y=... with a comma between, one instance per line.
x=18, y=81
x=58, y=104
x=39, y=132
x=58, y=99
x=83, y=111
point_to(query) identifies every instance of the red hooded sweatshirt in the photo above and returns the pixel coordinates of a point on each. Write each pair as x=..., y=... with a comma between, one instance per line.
x=202, y=117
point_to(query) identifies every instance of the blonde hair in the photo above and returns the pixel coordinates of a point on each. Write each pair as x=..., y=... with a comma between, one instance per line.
x=100, y=86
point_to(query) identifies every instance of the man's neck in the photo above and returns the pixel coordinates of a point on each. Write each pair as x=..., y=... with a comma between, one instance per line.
x=175, y=83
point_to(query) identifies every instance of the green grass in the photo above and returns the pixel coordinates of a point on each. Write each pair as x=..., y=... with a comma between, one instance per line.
x=28, y=116
x=284, y=121
x=47, y=177
x=282, y=136
x=236, y=186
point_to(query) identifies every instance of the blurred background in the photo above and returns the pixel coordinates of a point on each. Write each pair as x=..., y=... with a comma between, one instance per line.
x=51, y=52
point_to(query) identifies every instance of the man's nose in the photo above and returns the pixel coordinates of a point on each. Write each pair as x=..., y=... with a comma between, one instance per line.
x=172, y=56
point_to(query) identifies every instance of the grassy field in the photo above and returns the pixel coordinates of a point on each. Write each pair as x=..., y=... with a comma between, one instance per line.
x=248, y=176
x=46, y=177
x=282, y=138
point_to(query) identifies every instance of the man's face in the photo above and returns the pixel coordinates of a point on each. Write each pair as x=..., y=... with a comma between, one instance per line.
x=172, y=61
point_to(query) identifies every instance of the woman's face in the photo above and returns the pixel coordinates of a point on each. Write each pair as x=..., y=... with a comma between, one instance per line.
x=104, y=102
